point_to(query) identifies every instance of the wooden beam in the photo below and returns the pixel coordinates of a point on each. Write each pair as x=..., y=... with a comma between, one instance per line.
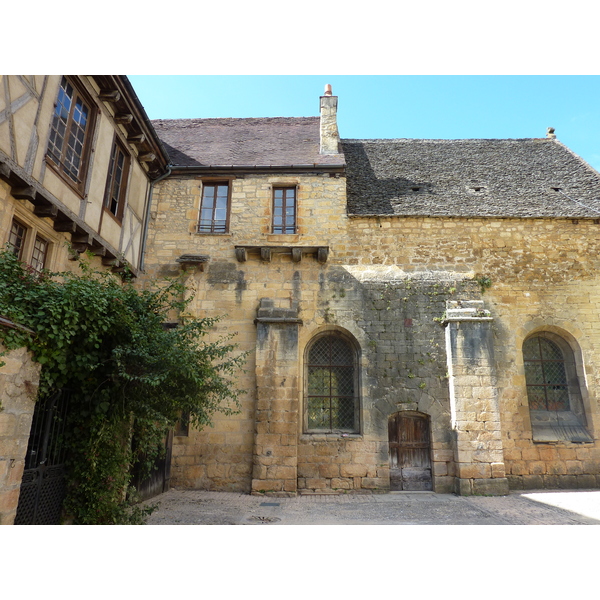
x=98, y=250
x=137, y=139
x=46, y=210
x=123, y=118
x=23, y=193
x=5, y=172
x=148, y=157
x=110, y=96
x=82, y=238
x=65, y=226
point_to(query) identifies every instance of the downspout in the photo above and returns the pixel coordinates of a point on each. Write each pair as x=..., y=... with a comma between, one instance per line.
x=147, y=215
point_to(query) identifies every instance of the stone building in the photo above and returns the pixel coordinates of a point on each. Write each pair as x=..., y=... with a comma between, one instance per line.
x=419, y=314
x=77, y=163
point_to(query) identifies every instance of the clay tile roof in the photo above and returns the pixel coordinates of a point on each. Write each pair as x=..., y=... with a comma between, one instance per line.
x=275, y=141
x=509, y=178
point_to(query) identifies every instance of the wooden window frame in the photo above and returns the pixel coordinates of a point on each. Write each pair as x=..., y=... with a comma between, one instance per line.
x=215, y=229
x=63, y=127
x=114, y=203
x=281, y=229
x=28, y=250
x=39, y=257
x=21, y=237
x=352, y=346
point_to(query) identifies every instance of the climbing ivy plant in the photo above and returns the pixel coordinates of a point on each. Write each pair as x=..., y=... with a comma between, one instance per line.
x=129, y=377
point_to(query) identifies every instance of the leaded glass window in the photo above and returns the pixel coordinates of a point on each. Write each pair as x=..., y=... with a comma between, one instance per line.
x=545, y=375
x=332, y=400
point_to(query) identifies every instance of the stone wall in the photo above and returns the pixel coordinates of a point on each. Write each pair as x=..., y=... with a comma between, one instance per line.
x=385, y=284
x=19, y=379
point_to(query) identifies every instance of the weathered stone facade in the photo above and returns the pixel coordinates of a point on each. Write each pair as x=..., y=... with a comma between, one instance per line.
x=409, y=294
x=19, y=379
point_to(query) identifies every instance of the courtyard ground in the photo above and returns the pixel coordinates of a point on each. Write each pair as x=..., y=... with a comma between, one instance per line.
x=543, y=507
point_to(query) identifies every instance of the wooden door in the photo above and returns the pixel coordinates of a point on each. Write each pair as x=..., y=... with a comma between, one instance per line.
x=410, y=452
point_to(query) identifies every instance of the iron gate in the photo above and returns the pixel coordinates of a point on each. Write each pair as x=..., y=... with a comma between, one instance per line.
x=43, y=484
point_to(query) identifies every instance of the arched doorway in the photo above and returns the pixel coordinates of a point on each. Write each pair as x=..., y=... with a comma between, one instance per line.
x=410, y=452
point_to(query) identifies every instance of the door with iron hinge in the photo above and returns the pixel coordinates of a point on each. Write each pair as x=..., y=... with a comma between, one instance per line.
x=410, y=452
x=44, y=482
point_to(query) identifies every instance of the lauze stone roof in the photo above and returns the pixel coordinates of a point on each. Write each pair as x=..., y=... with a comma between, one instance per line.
x=408, y=177
x=276, y=141
x=507, y=178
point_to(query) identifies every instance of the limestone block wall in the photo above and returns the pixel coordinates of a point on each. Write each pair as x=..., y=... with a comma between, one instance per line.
x=385, y=283
x=19, y=379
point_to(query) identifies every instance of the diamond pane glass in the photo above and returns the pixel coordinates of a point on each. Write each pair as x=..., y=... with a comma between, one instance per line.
x=537, y=397
x=534, y=373
x=331, y=402
x=531, y=349
x=545, y=375
x=557, y=397
x=550, y=351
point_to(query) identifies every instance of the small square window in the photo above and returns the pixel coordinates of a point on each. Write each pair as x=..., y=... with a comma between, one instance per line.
x=284, y=210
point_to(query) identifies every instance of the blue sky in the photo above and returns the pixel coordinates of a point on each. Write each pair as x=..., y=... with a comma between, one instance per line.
x=400, y=106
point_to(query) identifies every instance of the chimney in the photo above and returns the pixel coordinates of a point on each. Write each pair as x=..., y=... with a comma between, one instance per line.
x=330, y=138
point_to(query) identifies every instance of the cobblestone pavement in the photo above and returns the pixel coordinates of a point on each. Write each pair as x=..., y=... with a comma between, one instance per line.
x=545, y=507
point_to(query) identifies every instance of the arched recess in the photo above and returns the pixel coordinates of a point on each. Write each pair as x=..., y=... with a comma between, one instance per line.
x=555, y=387
x=409, y=435
x=332, y=383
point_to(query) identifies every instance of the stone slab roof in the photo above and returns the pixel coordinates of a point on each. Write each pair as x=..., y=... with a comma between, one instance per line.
x=275, y=141
x=506, y=178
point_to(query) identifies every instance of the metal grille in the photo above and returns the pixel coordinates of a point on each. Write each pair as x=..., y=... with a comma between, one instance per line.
x=545, y=375
x=331, y=386
x=43, y=485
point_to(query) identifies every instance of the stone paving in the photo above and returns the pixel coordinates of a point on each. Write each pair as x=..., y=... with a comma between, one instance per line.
x=545, y=507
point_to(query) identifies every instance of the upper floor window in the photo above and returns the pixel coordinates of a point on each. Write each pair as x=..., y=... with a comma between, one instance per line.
x=332, y=402
x=116, y=183
x=16, y=238
x=70, y=133
x=553, y=390
x=36, y=253
x=284, y=210
x=214, y=209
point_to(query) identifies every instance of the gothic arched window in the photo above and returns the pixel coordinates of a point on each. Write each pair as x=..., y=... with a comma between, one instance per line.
x=331, y=398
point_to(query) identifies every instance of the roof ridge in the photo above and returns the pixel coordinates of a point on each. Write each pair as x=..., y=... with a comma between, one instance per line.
x=447, y=140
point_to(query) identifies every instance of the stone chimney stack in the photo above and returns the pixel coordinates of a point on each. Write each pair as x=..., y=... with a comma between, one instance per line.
x=330, y=138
